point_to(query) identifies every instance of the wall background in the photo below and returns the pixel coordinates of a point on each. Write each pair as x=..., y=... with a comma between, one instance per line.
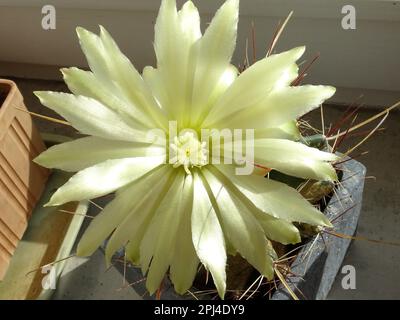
x=362, y=61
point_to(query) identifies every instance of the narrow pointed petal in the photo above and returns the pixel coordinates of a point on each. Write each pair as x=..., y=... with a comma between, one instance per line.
x=175, y=34
x=167, y=35
x=227, y=78
x=104, y=178
x=277, y=229
x=274, y=229
x=288, y=131
x=275, y=198
x=159, y=242
x=69, y=156
x=280, y=106
x=240, y=225
x=213, y=58
x=90, y=116
x=115, y=70
x=208, y=238
x=295, y=159
x=254, y=84
x=203, y=103
x=189, y=20
x=135, y=224
x=153, y=79
x=117, y=210
x=184, y=263
x=290, y=157
x=85, y=83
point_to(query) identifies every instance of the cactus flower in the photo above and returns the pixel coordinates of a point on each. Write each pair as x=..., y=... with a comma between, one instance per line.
x=173, y=212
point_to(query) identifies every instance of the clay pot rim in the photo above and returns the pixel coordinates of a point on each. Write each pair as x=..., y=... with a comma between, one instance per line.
x=12, y=90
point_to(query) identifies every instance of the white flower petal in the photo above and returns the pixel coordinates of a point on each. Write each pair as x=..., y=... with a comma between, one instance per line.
x=295, y=159
x=184, y=263
x=173, y=43
x=275, y=198
x=104, y=178
x=275, y=229
x=288, y=131
x=85, y=83
x=203, y=103
x=155, y=82
x=278, y=230
x=208, y=238
x=213, y=72
x=189, y=20
x=290, y=157
x=254, y=84
x=118, y=209
x=172, y=29
x=240, y=226
x=115, y=71
x=86, y=152
x=135, y=223
x=90, y=117
x=159, y=241
x=280, y=106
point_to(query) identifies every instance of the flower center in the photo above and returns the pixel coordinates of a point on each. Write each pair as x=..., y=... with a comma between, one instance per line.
x=188, y=151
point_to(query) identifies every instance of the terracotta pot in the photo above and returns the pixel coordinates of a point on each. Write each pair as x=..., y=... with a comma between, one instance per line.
x=21, y=181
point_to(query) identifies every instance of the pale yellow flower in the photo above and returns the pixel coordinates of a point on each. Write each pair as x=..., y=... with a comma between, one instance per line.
x=173, y=216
